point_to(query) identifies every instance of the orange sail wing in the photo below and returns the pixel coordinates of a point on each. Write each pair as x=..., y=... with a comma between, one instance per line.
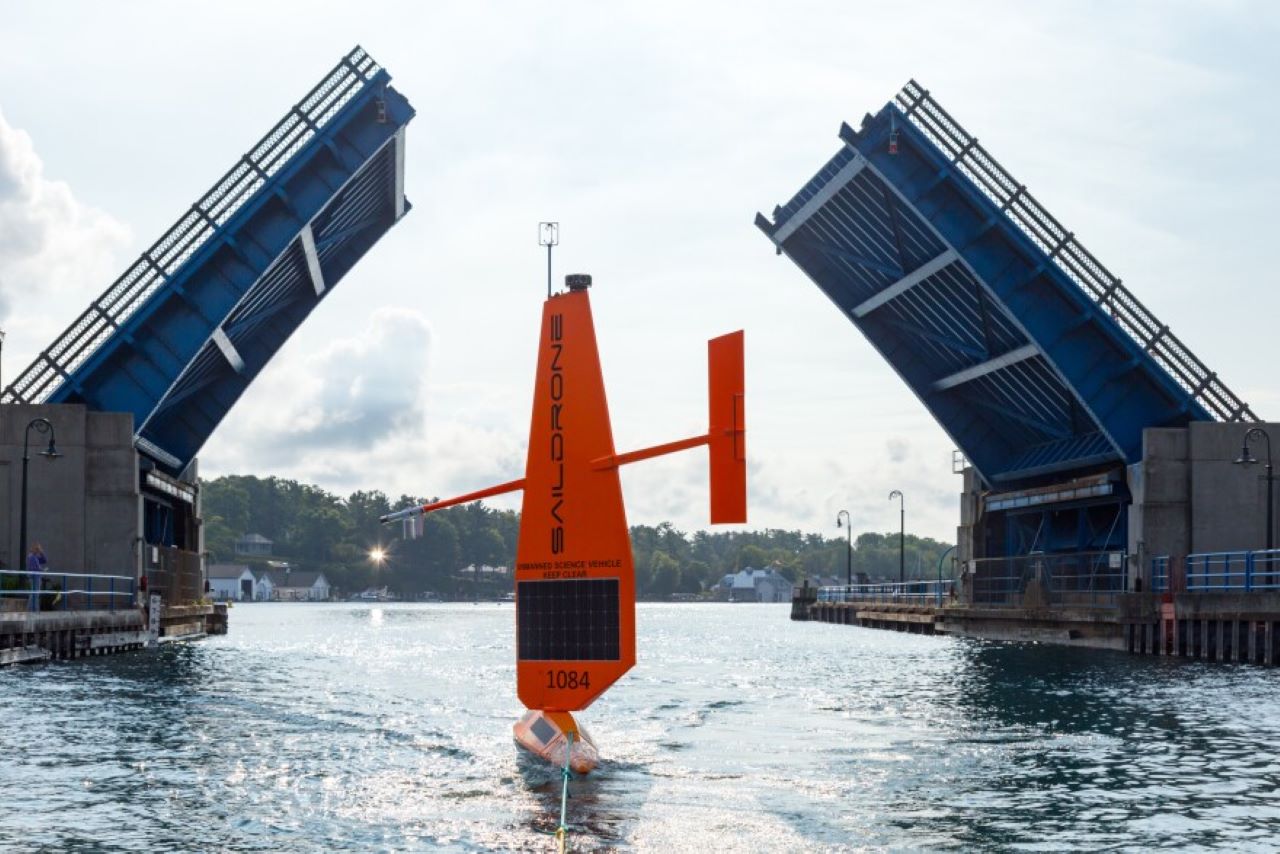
x=575, y=582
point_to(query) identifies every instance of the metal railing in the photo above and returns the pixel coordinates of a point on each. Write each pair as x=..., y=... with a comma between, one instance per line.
x=1217, y=570
x=1221, y=572
x=904, y=593
x=203, y=220
x=1066, y=252
x=1071, y=579
x=1160, y=574
x=68, y=591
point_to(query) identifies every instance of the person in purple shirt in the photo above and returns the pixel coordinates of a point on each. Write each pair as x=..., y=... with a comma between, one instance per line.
x=36, y=563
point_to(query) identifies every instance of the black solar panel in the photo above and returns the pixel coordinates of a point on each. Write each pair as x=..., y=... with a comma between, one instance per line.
x=568, y=620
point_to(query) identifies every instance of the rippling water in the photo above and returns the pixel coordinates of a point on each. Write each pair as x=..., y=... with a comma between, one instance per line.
x=350, y=727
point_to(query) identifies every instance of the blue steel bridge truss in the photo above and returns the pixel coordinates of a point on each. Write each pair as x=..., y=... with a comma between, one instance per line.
x=1033, y=357
x=178, y=338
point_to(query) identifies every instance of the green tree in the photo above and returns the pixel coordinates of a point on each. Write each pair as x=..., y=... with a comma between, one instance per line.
x=664, y=575
x=317, y=531
x=752, y=557
x=314, y=529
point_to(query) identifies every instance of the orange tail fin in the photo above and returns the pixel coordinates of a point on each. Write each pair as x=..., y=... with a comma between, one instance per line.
x=727, y=431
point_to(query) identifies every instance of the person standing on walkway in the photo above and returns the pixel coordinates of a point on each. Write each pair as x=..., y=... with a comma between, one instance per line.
x=36, y=562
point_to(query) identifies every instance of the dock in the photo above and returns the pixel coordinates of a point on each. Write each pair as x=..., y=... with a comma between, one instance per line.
x=1204, y=625
x=64, y=635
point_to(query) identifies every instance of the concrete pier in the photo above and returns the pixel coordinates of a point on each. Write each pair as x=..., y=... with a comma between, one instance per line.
x=72, y=634
x=916, y=619
x=1206, y=626
x=61, y=635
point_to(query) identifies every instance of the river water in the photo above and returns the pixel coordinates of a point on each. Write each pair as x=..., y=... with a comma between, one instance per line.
x=355, y=728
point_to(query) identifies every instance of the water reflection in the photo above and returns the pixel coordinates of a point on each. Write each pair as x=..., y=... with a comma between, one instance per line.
x=329, y=728
x=1092, y=750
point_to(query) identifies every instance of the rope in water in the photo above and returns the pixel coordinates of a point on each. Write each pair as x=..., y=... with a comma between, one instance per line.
x=562, y=837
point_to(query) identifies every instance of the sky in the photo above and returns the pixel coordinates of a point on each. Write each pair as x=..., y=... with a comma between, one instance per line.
x=652, y=132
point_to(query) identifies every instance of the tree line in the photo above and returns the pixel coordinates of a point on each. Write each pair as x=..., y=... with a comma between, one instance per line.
x=314, y=529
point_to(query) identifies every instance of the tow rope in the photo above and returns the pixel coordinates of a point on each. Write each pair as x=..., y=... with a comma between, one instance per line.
x=562, y=832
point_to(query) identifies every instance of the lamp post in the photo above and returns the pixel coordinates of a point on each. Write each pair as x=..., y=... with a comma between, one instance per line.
x=849, y=554
x=40, y=425
x=902, y=535
x=1247, y=459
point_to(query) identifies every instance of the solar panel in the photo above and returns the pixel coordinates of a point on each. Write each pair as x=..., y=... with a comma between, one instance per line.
x=574, y=620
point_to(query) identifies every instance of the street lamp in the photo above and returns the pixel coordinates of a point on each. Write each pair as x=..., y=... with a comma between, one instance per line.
x=377, y=555
x=902, y=535
x=1248, y=459
x=849, y=531
x=40, y=425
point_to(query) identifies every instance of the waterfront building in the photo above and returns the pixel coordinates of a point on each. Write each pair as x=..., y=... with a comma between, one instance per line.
x=755, y=585
x=264, y=588
x=291, y=585
x=232, y=581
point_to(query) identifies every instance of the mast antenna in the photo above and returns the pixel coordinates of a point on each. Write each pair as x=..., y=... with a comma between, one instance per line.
x=548, y=236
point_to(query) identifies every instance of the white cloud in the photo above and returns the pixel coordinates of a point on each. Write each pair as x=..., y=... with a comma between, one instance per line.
x=361, y=413
x=55, y=251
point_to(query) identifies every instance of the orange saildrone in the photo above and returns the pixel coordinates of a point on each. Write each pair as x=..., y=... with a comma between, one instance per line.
x=574, y=578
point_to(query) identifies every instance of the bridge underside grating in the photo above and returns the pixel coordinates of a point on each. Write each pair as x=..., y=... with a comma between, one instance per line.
x=182, y=333
x=1027, y=351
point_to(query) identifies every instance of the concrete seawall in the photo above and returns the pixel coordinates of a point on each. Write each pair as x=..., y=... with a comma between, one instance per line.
x=1205, y=626
x=40, y=636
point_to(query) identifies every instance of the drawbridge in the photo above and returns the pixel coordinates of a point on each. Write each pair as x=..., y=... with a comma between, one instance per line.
x=1036, y=360
x=178, y=338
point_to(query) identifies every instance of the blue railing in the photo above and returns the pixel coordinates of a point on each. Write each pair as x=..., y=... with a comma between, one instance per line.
x=904, y=593
x=1218, y=571
x=1071, y=579
x=1160, y=574
x=1210, y=572
x=68, y=591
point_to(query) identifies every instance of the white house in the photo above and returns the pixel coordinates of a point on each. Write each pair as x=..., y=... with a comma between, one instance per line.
x=293, y=586
x=756, y=585
x=231, y=581
x=265, y=588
